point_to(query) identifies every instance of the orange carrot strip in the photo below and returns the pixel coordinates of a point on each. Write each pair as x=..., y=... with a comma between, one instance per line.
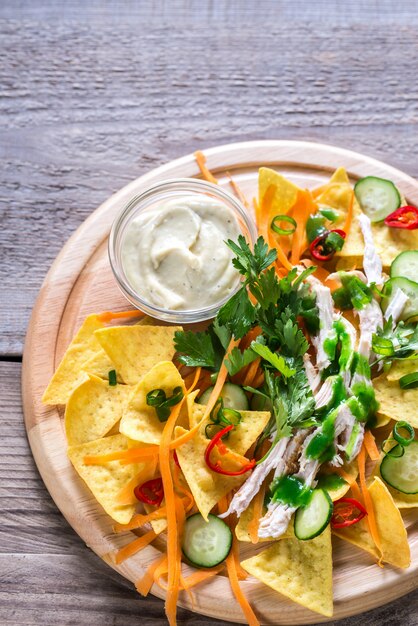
x=238, y=191
x=144, y=584
x=223, y=372
x=232, y=565
x=371, y=447
x=352, y=481
x=161, y=571
x=108, y=316
x=182, y=490
x=140, y=519
x=349, y=218
x=259, y=380
x=251, y=373
x=135, y=546
x=200, y=576
x=132, y=455
x=302, y=209
x=368, y=502
x=257, y=514
x=206, y=173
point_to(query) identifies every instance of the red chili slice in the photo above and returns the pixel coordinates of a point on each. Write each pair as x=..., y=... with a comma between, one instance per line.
x=151, y=492
x=320, y=249
x=405, y=217
x=217, y=467
x=347, y=511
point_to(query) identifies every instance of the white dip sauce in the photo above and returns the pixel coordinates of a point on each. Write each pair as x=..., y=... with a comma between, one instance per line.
x=174, y=256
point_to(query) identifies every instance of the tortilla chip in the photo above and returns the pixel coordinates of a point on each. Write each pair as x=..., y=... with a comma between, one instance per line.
x=336, y=491
x=136, y=349
x=100, y=365
x=209, y=487
x=299, y=570
x=392, y=532
x=396, y=403
x=140, y=421
x=285, y=194
x=69, y=374
x=401, y=368
x=241, y=529
x=106, y=481
x=402, y=500
x=93, y=409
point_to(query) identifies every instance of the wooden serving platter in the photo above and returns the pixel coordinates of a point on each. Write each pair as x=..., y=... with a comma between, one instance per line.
x=80, y=282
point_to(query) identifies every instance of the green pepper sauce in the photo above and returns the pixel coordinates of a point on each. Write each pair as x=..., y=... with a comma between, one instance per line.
x=291, y=491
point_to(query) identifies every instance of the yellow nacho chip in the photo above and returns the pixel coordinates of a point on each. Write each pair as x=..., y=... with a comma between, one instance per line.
x=69, y=374
x=402, y=500
x=243, y=534
x=401, y=368
x=332, y=483
x=392, y=532
x=100, y=365
x=299, y=570
x=140, y=421
x=285, y=194
x=106, y=481
x=209, y=487
x=136, y=349
x=396, y=403
x=93, y=409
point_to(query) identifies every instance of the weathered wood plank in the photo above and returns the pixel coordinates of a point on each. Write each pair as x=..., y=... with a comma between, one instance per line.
x=49, y=577
x=83, y=110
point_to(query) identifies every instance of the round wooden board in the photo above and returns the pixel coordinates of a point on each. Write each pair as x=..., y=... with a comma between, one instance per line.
x=80, y=282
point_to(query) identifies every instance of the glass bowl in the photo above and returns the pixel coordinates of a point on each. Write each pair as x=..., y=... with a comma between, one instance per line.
x=150, y=200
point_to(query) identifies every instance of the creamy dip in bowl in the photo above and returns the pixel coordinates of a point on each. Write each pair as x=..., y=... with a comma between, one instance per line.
x=167, y=249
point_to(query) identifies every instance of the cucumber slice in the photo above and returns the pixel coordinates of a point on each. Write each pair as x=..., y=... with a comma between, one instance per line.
x=410, y=288
x=378, y=197
x=312, y=519
x=233, y=396
x=206, y=544
x=405, y=265
x=402, y=472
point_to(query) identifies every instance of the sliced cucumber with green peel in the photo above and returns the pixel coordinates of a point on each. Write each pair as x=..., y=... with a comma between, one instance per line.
x=405, y=265
x=377, y=197
x=312, y=519
x=234, y=397
x=410, y=289
x=206, y=544
x=401, y=472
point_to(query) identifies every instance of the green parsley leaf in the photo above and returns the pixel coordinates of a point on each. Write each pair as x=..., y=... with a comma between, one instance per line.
x=353, y=294
x=238, y=314
x=196, y=349
x=237, y=360
x=276, y=360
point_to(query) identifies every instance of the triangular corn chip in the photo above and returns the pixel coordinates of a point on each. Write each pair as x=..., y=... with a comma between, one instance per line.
x=242, y=528
x=402, y=500
x=135, y=349
x=285, y=194
x=299, y=570
x=106, y=481
x=392, y=532
x=401, y=368
x=140, y=421
x=396, y=403
x=336, y=486
x=69, y=373
x=93, y=409
x=100, y=365
x=209, y=487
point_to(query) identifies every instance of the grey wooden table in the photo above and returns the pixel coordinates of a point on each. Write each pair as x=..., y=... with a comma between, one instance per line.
x=94, y=94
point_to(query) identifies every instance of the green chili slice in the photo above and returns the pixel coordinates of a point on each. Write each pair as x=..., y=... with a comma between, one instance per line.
x=395, y=451
x=382, y=345
x=283, y=231
x=405, y=426
x=410, y=381
x=157, y=398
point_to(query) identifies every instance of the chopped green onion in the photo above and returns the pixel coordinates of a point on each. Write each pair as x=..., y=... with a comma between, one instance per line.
x=158, y=399
x=283, y=231
x=112, y=378
x=409, y=381
x=381, y=345
x=404, y=441
x=329, y=214
x=221, y=415
x=213, y=429
x=232, y=416
x=395, y=451
x=335, y=240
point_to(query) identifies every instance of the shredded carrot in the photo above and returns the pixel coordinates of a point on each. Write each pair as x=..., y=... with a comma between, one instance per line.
x=132, y=455
x=349, y=218
x=126, y=494
x=368, y=502
x=200, y=576
x=144, y=584
x=161, y=571
x=223, y=372
x=257, y=514
x=183, y=490
x=206, y=173
x=371, y=447
x=251, y=336
x=352, y=481
x=302, y=209
x=258, y=381
x=140, y=519
x=233, y=566
x=252, y=372
x=135, y=546
x=108, y=316
x=238, y=191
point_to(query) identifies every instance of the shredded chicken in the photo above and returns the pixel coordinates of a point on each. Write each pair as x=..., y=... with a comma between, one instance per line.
x=312, y=374
x=396, y=305
x=325, y=306
x=371, y=318
x=371, y=261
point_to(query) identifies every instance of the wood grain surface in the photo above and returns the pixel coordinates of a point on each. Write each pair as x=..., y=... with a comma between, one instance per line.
x=93, y=95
